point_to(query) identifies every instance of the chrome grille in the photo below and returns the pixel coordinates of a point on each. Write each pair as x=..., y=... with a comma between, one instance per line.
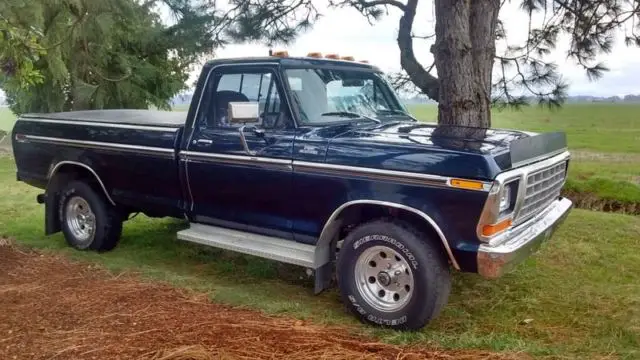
x=543, y=187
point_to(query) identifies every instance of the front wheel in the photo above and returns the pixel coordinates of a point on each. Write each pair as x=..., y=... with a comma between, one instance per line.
x=392, y=275
x=88, y=221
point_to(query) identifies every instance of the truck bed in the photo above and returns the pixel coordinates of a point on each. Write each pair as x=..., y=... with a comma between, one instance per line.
x=127, y=117
x=132, y=153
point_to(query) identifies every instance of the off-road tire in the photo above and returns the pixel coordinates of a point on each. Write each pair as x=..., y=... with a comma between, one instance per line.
x=428, y=265
x=108, y=221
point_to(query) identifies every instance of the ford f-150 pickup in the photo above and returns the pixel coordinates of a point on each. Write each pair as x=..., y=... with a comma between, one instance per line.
x=309, y=161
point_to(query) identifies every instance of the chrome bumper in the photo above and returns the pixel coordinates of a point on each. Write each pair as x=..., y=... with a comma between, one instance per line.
x=521, y=241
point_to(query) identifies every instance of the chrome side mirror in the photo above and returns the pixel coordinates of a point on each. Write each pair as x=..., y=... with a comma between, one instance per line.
x=247, y=113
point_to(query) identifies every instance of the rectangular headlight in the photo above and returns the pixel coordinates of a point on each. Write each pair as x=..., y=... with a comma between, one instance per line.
x=505, y=199
x=498, y=211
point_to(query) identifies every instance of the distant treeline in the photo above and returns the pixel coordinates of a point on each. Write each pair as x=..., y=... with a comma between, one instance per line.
x=570, y=99
x=183, y=99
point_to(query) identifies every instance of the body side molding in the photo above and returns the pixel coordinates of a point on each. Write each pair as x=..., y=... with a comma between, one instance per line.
x=331, y=226
x=100, y=145
x=101, y=124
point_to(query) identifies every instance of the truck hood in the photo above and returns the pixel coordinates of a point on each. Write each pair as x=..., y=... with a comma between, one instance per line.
x=453, y=138
x=441, y=149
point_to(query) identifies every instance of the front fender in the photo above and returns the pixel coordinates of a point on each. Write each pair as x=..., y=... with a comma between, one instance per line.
x=452, y=213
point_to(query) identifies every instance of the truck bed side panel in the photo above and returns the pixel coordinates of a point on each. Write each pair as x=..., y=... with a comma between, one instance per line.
x=137, y=164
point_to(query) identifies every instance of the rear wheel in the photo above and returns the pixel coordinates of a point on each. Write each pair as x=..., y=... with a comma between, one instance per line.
x=88, y=221
x=392, y=275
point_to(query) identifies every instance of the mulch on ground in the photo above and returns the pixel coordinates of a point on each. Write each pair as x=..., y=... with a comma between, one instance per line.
x=53, y=308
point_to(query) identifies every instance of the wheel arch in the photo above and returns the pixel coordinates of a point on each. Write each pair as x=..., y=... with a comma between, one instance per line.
x=74, y=166
x=61, y=173
x=339, y=217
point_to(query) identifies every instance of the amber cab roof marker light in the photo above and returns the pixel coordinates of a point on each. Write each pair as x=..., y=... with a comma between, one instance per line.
x=281, y=53
x=314, y=54
x=348, y=58
x=332, y=56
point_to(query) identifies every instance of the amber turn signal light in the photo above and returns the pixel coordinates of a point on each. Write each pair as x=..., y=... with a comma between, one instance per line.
x=490, y=230
x=467, y=184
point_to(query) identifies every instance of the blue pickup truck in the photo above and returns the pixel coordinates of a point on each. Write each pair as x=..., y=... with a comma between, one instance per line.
x=308, y=161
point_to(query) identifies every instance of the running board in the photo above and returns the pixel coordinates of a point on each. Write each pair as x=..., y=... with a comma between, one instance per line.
x=287, y=251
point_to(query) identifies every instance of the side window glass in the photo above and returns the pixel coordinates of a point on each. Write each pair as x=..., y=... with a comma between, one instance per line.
x=243, y=87
x=275, y=115
x=265, y=83
x=273, y=97
x=229, y=82
x=251, y=86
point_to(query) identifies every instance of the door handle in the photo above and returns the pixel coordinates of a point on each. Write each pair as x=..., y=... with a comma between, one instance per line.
x=203, y=142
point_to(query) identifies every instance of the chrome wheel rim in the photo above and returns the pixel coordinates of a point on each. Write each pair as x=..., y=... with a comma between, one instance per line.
x=81, y=221
x=384, y=278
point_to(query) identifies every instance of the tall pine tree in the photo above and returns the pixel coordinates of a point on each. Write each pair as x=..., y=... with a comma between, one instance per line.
x=60, y=55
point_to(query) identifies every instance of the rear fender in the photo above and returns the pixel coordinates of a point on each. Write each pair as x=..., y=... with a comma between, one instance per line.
x=60, y=175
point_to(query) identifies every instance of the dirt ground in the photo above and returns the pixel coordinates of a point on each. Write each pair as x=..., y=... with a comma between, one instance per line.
x=52, y=308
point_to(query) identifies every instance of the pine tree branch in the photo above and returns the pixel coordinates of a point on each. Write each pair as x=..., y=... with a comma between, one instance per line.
x=424, y=37
x=427, y=83
x=68, y=36
x=368, y=4
x=70, y=32
x=129, y=72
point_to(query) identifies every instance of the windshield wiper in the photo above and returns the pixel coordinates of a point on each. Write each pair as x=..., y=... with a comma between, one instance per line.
x=399, y=112
x=351, y=115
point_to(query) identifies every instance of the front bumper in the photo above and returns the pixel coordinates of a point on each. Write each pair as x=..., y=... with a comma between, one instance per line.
x=522, y=241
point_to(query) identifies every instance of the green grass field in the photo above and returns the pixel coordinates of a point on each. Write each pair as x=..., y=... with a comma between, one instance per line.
x=609, y=128
x=7, y=119
x=581, y=290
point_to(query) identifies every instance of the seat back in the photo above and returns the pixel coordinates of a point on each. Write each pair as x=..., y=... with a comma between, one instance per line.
x=221, y=105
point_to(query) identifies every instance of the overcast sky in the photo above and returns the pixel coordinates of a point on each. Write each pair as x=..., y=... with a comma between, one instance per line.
x=346, y=32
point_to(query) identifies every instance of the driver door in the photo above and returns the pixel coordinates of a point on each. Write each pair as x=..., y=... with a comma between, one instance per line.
x=229, y=186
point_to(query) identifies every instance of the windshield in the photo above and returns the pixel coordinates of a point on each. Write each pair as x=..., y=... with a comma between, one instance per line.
x=324, y=95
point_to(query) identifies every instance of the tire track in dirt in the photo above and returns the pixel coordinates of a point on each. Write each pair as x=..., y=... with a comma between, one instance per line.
x=52, y=308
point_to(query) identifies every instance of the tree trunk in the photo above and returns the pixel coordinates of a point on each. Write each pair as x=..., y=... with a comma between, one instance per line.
x=464, y=53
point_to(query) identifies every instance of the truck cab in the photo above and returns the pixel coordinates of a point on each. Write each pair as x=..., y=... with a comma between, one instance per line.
x=302, y=104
